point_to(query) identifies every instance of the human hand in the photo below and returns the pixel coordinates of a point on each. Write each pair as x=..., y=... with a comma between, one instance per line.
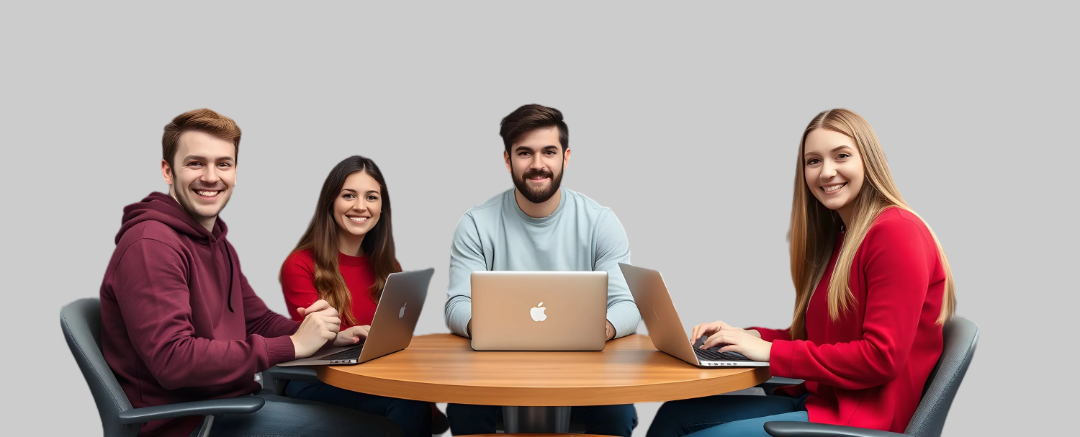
x=319, y=305
x=609, y=330
x=351, y=336
x=741, y=341
x=708, y=329
x=320, y=325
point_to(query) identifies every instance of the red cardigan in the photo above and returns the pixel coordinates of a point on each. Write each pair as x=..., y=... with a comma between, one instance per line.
x=868, y=368
x=298, y=285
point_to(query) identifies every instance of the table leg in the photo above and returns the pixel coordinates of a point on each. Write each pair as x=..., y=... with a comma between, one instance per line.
x=536, y=419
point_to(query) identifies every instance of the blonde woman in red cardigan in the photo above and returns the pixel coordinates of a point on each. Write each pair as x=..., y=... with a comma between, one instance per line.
x=872, y=291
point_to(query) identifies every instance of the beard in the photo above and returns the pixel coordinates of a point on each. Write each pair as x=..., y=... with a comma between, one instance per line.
x=538, y=195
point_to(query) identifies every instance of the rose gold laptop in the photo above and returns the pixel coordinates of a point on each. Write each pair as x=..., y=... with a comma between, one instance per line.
x=539, y=311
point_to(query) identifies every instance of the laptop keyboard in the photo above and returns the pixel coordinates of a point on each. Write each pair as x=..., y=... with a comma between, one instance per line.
x=347, y=355
x=708, y=355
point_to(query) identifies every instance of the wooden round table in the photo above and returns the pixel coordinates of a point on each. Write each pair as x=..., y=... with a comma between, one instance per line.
x=444, y=368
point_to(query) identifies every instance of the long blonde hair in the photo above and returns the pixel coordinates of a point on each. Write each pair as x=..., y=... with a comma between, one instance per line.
x=814, y=227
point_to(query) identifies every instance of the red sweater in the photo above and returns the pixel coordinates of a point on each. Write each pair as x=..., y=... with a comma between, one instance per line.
x=179, y=321
x=298, y=284
x=868, y=368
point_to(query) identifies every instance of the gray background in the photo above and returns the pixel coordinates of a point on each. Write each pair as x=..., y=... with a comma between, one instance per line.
x=684, y=118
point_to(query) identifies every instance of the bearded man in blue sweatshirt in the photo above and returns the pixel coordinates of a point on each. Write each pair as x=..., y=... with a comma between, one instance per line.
x=538, y=225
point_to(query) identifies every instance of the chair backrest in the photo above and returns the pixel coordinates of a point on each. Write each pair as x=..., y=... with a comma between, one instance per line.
x=81, y=323
x=960, y=336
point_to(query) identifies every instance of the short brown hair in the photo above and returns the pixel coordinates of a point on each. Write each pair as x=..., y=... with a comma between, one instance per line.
x=529, y=118
x=202, y=120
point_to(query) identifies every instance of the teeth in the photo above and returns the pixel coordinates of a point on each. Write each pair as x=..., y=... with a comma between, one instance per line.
x=833, y=187
x=358, y=219
x=207, y=193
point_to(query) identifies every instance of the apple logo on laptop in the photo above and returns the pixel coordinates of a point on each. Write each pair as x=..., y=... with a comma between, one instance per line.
x=538, y=313
x=401, y=313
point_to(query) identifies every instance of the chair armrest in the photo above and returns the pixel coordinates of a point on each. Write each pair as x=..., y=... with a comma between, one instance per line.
x=276, y=378
x=803, y=429
x=305, y=374
x=777, y=381
x=241, y=405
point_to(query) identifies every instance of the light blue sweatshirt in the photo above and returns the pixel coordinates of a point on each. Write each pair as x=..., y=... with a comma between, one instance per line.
x=580, y=235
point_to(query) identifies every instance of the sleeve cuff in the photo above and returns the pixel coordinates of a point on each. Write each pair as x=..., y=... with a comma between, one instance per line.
x=766, y=333
x=780, y=358
x=280, y=350
x=624, y=317
x=458, y=315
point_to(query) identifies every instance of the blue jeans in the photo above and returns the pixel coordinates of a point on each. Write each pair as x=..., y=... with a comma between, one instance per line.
x=282, y=416
x=414, y=417
x=614, y=420
x=732, y=415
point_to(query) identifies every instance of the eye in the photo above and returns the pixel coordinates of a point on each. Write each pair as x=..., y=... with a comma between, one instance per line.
x=842, y=156
x=348, y=196
x=523, y=153
x=194, y=164
x=372, y=198
x=225, y=165
x=550, y=153
x=812, y=161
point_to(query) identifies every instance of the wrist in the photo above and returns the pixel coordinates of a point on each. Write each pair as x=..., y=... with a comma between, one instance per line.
x=296, y=347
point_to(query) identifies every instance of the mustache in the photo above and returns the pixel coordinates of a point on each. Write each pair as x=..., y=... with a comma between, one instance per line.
x=537, y=172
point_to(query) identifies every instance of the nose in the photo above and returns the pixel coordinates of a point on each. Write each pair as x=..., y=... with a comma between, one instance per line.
x=210, y=176
x=536, y=162
x=828, y=170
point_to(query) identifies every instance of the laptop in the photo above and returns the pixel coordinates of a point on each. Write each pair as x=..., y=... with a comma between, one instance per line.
x=539, y=311
x=391, y=328
x=665, y=328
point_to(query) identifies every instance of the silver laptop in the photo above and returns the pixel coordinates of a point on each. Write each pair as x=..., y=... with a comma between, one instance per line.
x=665, y=328
x=391, y=328
x=539, y=311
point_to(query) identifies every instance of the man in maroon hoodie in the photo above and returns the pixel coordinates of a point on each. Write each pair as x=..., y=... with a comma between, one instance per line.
x=179, y=320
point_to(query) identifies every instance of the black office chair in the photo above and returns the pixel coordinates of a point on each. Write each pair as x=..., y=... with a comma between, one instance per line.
x=960, y=337
x=276, y=378
x=81, y=323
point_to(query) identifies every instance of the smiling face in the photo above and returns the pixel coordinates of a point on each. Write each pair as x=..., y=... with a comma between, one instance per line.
x=833, y=169
x=358, y=205
x=536, y=163
x=203, y=177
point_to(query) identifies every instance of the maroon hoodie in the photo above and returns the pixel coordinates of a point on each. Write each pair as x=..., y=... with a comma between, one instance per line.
x=179, y=321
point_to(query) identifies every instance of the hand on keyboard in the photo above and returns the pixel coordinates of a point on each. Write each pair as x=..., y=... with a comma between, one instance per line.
x=714, y=354
x=701, y=342
x=738, y=341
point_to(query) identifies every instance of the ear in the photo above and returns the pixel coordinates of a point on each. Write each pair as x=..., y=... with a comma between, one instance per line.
x=166, y=172
x=506, y=157
x=566, y=158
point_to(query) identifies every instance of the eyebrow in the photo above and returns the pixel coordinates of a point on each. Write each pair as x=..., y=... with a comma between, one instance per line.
x=354, y=191
x=203, y=158
x=833, y=150
x=519, y=148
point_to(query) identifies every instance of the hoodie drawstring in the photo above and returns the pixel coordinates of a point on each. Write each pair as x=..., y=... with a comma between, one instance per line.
x=228, y=255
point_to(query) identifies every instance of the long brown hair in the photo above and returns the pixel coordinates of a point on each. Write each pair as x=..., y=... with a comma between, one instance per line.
x=814, y=227
x=322, y=238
